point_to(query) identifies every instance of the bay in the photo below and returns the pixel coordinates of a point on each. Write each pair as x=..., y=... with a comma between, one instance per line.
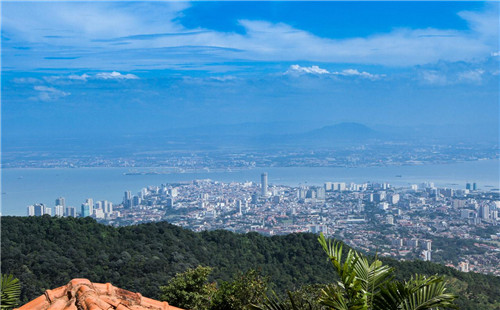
x=24, y=186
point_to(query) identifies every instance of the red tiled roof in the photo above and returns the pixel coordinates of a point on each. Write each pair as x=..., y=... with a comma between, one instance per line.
x=81, y=294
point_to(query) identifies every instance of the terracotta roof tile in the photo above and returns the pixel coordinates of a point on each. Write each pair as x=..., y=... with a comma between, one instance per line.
x=81, y=294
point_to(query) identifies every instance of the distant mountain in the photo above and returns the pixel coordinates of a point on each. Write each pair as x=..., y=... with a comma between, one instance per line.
x=343, y=131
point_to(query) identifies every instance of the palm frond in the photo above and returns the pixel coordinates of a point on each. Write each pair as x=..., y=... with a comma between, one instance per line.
x=10, y=291
x=418, y=293
x=274, y=303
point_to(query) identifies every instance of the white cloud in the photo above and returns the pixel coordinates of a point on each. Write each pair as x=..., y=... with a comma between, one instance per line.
x=433, y=77
x=49, y=93
x=224, y=78
x=27, y=80
x=82, y=77
x=116, y=36
x=298, y=70
x=311, y=70
x=363, y=74
x=449, y=75
x=495, y=54
x=115, y=76
x=471, y=76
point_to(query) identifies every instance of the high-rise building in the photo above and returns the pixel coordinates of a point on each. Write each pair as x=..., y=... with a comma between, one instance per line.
x=320, y=193
x=127, y=199
x=463, y=266
x=426, y=244
x=339, y=186
x=31, y=210
x=484, y=212
x=311, y=193
x=379, y=196
x=468, y=186
x=136, y=200
x=170, y=202
x=255, y=198
x=98, y=213
x=59, y=211
x=85, y=210
x=90, y=202
x=263, y=179
x=474, y=186
x=394, y=199
x=397, y=242
x=412, y=243
x=448, y=192
x=48, y=211
x=70, y=211
x=39, y=209
x=61, y=201
x=466, y=213
x=426, y=255
x=107, y=206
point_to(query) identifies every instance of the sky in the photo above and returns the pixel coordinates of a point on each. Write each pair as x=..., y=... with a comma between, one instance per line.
x=73, y=68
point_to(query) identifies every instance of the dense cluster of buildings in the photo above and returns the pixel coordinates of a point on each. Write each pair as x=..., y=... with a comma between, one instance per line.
x=99, y=209
x=398, y=222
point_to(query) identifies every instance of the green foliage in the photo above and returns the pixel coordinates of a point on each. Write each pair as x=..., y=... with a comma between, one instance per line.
x=369, y=286
x=10, y=289
x=419, y=292
x=244, y=290
x=306, y=298
x=365, y=285
x=190, y=290
x=46, y=252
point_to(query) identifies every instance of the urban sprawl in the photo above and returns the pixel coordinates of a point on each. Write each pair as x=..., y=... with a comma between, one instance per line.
x=458, y=228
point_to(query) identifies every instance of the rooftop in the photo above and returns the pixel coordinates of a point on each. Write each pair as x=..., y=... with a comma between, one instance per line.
x=81, y=294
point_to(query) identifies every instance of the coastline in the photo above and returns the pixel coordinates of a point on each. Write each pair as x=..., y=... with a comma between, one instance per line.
x=24, y=186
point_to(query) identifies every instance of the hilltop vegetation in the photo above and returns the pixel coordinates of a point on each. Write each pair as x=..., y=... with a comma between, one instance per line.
x=46, y=253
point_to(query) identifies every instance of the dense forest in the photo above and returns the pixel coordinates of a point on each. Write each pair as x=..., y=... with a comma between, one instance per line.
x=46, y=252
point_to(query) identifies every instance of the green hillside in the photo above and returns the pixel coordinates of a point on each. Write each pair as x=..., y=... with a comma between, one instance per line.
x=45, y=253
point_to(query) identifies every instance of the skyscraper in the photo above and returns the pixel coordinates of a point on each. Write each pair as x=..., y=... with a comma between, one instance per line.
x=484, y=212
x=127, y=199
x=90, y=202
x=108, y=206
x=61, y=202
x=31, y=210
x=85, y=210
x=39, y=209
x=59, y=211
x=263, y=179
x=70, y=211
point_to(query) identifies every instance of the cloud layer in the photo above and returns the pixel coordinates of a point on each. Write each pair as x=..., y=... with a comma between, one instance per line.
x=125, y=36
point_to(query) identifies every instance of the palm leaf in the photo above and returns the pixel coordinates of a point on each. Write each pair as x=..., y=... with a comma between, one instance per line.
x=274, y=303
x=418, y=293
x=10, y=292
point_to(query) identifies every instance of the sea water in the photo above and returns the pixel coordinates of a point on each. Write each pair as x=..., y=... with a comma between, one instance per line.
x=25, y=186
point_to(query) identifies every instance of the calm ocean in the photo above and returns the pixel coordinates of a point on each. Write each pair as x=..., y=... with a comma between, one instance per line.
x=22, y=187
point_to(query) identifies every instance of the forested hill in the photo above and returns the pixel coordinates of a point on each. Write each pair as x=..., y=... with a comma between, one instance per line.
x=46, y=252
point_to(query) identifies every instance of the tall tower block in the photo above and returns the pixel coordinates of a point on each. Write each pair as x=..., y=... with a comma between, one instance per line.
x=263, y=180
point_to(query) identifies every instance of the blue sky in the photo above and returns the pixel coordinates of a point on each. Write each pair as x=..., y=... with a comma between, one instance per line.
x=149, y=66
